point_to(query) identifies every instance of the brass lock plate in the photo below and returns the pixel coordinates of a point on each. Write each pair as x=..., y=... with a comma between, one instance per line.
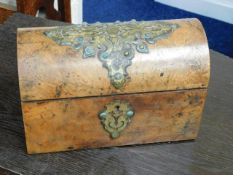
x=116, y=116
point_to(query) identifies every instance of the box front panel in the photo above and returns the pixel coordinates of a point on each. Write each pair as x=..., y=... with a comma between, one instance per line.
x=67, y=124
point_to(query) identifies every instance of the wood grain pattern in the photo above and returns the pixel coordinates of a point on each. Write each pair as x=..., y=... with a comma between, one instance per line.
x=210, y=154
x=55, y=73
x=67, y=124
x=50, y=71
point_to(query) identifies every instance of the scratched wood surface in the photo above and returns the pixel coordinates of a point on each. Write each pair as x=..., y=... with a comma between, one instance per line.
x=179, y=61
x=54, y=73
x=210, y=154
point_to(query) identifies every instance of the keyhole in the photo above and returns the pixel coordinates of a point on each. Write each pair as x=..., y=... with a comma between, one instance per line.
x=116, y=113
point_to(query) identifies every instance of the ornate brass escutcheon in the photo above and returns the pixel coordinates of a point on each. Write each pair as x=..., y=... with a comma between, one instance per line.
x=116, y=116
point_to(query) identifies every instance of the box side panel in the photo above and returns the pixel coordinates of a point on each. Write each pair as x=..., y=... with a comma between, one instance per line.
x=59, y=125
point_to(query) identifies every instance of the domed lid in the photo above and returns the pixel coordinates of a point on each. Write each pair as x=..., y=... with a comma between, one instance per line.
x=111, y=58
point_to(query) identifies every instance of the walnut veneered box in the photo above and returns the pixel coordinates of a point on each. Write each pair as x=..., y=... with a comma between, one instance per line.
x=112, y=84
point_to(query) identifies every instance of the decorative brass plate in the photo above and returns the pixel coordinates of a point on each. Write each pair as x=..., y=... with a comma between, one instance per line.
x=114, y=44
x=116, y=116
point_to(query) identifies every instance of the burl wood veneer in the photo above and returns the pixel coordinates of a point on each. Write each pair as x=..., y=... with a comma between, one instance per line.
x=68, y=77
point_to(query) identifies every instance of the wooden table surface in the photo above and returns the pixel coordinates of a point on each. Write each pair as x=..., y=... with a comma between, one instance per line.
x=210, y=154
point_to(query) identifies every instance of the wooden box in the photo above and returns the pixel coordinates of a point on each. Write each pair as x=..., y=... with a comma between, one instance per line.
x=113, y=84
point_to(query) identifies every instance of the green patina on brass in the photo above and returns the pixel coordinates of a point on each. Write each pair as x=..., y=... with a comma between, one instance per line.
x=115, y=117
x=114, y=44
